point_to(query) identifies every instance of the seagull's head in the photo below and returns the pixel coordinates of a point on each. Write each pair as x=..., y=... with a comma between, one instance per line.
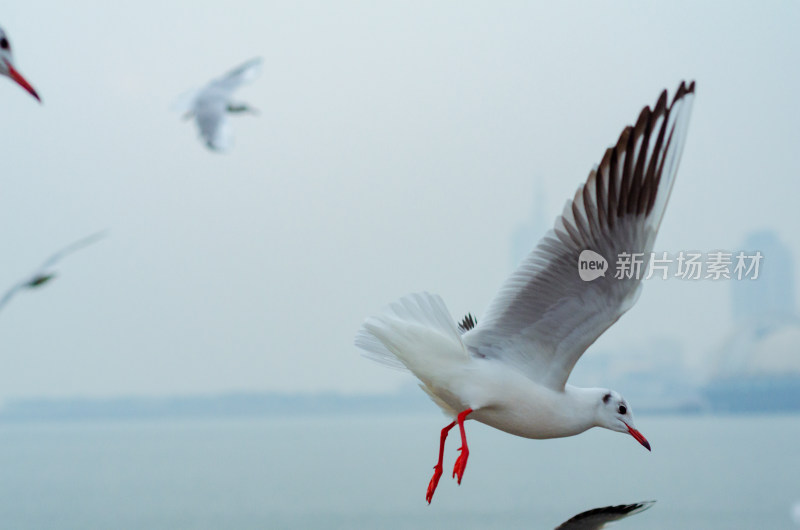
x=7, y=65
x=615, y=414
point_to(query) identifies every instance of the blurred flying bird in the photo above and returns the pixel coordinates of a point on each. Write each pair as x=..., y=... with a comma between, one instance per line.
x=210, y=105
x=7, y=67
x=510, y=369
x=598, y=518
x=44, y=273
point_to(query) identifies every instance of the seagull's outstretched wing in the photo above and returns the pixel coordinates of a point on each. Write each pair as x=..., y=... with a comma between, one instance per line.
x=40, y=277
x=545, y=315
x=599, y=517
x=72, y=247
x=10, y=294
x=238, y=76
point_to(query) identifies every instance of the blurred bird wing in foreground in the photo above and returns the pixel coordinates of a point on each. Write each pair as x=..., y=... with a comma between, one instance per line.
x=598, y=517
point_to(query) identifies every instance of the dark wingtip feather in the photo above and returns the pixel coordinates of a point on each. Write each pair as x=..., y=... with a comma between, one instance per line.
x=683, y=90
x=467, y=323
x=632, y=190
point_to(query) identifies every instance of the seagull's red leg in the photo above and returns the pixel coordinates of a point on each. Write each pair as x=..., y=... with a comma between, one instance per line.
x=461, y=462
x=437, y=469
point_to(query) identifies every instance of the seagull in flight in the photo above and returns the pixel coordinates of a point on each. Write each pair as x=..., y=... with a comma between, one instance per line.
x=210, y=105
x=510, y=370
x=44, y=273
x=8, y=69
x=599, y=517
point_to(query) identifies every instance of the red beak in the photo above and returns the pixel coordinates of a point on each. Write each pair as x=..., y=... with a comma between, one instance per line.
x=21, y=81
x=638, y=436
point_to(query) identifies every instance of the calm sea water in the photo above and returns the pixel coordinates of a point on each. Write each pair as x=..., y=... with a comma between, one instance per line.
x=372, y=472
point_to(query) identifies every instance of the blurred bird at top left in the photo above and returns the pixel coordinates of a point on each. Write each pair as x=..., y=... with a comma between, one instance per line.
x=7, y=67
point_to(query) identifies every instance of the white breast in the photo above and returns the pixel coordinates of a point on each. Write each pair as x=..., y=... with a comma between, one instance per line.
x=505, y=399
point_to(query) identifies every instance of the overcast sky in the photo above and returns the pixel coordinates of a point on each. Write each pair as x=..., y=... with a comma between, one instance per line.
x=399, y=146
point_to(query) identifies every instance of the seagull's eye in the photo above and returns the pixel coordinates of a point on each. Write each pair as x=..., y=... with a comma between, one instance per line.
x=622, y=409
x=4, y=43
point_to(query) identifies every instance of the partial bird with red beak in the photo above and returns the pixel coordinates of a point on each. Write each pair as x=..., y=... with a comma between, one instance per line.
x=8, y=69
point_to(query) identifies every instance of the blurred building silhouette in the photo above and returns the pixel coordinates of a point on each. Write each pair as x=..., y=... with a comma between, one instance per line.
x=528, y=233
x=651, y=374
x=757, y=366
x=770, y=298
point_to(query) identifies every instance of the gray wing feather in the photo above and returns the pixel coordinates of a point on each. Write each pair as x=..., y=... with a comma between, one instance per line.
x=545, y=316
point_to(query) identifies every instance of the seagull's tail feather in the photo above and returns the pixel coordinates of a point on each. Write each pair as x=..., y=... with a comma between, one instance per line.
x=415, y=332
x=373, y=348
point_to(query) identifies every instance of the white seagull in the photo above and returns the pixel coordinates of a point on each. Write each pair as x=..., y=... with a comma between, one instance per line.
x=210, y=105
x=44, y=273
x=510, y=370
x=8, y=69
x=599, y=517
